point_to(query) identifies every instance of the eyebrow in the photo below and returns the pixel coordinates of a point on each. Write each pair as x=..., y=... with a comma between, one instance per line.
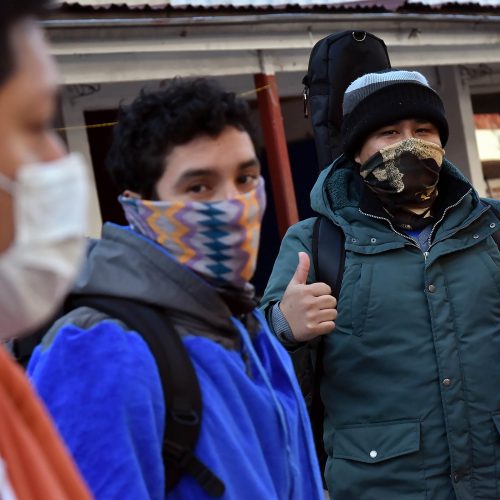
x=199, y=172
x=210, y=171
x=254, y=162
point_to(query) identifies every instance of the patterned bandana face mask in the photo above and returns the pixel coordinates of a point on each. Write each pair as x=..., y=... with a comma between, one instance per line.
x=218, y=240
x=405, y=175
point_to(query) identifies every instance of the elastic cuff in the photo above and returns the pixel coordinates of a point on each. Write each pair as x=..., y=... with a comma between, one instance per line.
x=281, y=327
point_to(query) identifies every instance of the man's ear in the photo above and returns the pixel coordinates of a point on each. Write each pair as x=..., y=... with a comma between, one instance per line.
x=131, y=194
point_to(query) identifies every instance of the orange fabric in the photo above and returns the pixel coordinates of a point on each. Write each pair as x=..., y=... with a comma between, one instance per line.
x=37, y=462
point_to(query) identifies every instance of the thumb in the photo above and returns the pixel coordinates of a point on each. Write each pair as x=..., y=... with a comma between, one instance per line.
x=300, y=276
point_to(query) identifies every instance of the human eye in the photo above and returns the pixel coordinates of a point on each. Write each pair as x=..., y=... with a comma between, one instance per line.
x=38, y=127
x=197, y=188
x=424, y=130
x=39, y=122
x=247, y=179
x=389, y=132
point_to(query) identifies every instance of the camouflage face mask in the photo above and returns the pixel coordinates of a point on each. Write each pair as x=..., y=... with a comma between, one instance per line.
x=405, y=175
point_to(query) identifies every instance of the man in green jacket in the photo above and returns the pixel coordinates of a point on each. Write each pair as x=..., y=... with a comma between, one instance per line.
x=411, y=364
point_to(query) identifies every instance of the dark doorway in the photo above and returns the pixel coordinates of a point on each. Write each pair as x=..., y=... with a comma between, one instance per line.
x=100, y=141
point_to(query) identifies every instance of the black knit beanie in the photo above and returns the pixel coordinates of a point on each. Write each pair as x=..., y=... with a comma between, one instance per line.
x=378, y=99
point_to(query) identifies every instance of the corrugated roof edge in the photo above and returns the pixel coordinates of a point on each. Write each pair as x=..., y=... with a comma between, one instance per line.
x=222, y=5
x=473, y=7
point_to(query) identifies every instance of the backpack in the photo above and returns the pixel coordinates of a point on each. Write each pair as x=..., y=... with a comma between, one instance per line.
x=328, y=253
x=180, y=385
x=334, y=63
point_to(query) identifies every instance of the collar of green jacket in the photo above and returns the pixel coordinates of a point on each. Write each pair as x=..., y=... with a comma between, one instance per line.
x=340, y=187
x=339, y=195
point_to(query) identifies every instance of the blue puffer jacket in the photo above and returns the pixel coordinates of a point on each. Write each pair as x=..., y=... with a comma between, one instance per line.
x=411, y=380
x=102, y=387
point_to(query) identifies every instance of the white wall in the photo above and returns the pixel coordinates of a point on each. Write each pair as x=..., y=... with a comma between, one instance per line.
x=448, y=80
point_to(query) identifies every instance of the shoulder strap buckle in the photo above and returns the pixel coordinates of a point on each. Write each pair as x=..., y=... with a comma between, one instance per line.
x=184, y=459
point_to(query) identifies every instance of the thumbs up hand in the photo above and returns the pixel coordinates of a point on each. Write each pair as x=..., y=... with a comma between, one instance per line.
x=309, y=309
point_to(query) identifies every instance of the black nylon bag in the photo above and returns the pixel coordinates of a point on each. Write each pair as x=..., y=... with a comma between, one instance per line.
x=328, y=253
x=334, y=63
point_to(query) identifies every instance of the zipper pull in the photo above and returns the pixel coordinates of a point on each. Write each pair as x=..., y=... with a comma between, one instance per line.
x=426, y=254
x=306, y=99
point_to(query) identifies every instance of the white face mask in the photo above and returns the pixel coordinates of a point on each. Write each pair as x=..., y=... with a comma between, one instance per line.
x=50, y=217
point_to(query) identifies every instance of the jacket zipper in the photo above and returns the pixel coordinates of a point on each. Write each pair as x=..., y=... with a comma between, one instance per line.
x=443, y=216
x=247, y=342
x=426, y=253
x=413, y=241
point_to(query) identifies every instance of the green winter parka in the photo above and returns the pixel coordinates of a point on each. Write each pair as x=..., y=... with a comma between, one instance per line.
x=411, y=382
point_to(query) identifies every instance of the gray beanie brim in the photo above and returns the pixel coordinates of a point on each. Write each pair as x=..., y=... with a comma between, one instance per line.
x=392, y=103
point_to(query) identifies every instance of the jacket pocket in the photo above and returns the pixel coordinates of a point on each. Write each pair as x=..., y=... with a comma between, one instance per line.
x=496, y=422
x=377, y=442
x=493, y=268
x=378, y=460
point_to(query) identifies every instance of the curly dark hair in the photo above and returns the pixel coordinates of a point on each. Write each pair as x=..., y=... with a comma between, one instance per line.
x=11, y=13
x=156, y=122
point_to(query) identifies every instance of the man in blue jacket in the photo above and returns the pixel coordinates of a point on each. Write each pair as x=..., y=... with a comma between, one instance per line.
x=185, y=162
x=411, y=357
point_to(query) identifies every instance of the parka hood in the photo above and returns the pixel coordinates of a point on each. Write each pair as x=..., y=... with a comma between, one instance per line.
x=340, y=185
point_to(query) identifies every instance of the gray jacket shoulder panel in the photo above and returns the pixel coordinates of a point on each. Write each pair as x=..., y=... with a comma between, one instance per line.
x=81, y=317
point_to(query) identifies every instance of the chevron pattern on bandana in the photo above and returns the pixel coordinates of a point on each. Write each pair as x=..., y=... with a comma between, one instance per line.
x=218, y=240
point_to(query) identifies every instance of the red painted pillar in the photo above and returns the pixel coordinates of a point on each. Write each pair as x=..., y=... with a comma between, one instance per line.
x=277, y=152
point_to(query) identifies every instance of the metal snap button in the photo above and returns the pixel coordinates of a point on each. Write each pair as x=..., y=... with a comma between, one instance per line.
x=476, y=236
x=431, y=288
x=353, y=240
x=492, y=225
x=374, y=240
x=447, y=382
x=373, y=454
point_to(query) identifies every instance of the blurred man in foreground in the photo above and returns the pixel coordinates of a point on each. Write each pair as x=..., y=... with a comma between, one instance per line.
x=43, y=196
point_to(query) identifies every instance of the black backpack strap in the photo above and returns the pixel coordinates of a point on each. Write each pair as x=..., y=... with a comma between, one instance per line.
x=179, y=381
x=23, y=347
x=328, y=250
x=328, y=253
